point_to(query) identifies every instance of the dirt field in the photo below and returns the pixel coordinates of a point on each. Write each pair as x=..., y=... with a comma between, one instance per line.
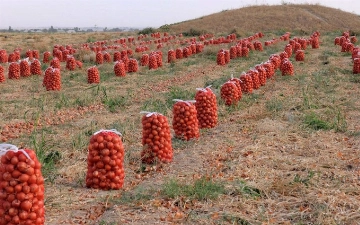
x=286, y=154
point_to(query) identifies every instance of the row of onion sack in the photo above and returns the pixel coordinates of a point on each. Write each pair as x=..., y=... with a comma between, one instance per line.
x=105, y=159
x=28, y=67
x=231, y=91
x=347, y=45
x=22, y=183
x=106, y=152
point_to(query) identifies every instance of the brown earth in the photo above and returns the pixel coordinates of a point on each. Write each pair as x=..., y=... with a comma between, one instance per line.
x=274, y=168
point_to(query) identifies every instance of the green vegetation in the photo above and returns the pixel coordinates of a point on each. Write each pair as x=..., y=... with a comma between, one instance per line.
x=202, y=189
x=140, y=194
x=242, y=188
x=304, y=180
x=114, y=102
x=45, y=151
x=102, y=222
x=274, y=105
x=155, y=105
x=178, y=93
x=312, y=120
x=193, y=32
x=147, y=30
x=335, y=121
x=91, y=40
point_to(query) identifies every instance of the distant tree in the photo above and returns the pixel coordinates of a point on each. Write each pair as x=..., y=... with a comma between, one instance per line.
x=105, y=29
x=51, y=29
x=193, y=32
x=89, y=30
x=147, y=30
x=76, y=29
x=10, y=29
x=165, y=28
x=115, y=29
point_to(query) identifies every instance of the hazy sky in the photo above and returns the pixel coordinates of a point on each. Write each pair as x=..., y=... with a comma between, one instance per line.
x=129, y=13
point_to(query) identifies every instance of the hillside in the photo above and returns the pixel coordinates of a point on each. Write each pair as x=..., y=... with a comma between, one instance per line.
x=269, y=18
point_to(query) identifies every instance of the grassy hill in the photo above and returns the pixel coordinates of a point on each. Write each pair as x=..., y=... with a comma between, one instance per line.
x=264, y=18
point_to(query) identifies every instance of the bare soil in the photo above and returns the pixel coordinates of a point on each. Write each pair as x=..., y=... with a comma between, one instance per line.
x=274, y=168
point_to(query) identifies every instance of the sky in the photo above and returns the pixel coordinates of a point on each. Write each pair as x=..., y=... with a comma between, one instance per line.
x=129, y=13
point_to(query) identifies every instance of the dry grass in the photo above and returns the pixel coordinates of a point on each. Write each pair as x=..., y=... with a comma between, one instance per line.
x=45, y=42
x=273, y=167
x=302, y=18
